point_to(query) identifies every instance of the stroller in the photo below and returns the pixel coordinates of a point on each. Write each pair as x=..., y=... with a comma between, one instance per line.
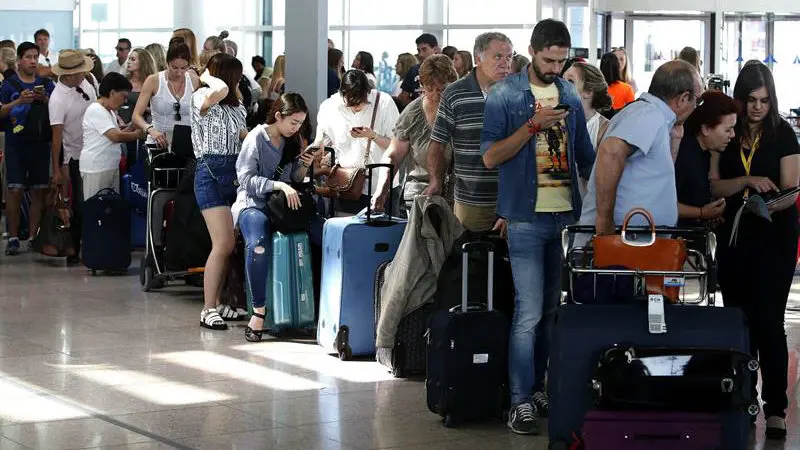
x=166, y=171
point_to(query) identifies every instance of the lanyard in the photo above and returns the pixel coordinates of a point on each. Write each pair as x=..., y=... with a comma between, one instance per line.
x=747, y=161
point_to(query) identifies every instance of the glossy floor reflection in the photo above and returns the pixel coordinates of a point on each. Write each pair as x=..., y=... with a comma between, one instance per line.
x=93, y=362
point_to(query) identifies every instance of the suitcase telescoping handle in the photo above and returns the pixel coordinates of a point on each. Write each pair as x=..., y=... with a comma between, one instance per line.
x=488, y=249
x=370, y=168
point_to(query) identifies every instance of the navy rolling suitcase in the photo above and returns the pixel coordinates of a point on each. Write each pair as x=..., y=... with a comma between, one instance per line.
x=467, y=354
x=353, y=249
x=582, y=332
x=106, y=232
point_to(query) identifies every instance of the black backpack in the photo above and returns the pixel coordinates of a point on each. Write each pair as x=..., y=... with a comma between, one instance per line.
x=37, y=123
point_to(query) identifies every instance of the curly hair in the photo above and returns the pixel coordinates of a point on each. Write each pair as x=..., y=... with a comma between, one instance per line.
x=437, y=68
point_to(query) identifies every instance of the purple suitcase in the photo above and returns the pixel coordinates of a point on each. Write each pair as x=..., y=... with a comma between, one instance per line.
x=641, y=430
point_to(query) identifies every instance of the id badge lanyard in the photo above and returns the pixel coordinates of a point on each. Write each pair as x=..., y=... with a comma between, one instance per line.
x=747, y=161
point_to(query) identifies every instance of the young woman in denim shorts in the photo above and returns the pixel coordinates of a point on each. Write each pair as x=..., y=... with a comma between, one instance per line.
x=218, y=128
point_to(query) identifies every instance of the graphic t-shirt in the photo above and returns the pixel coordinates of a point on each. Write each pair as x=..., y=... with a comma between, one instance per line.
x=552, y=164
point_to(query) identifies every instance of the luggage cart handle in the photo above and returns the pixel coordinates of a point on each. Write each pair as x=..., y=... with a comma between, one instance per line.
x=370, y=168
x=483, y=247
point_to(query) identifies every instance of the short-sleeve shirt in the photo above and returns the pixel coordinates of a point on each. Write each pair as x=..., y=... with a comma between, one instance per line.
x=412, y=126
x=691, y=176
x=67, y=107
x=459, y=121
x=648, y=179
x=216, y=132
x=411, y=82
x=552, y=163
x=18, y=114
x=99, y=152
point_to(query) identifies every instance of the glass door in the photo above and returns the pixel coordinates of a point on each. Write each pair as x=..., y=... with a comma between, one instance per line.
x=658, y=40
x=786, y=68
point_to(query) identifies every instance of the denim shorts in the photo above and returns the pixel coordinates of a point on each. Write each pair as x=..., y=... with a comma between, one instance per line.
x=215, y=181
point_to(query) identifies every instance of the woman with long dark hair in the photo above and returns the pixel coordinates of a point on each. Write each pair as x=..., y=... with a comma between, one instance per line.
x=218, y=128
x=364, y=61
x=621, y=92
x=756, y=272
x=270, y=149
x=335, y=70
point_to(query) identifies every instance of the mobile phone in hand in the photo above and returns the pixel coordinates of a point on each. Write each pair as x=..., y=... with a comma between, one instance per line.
x=562, y=107
x=38, y=90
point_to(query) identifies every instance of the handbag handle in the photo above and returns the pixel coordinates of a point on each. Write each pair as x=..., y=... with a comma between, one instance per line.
x=651, y=224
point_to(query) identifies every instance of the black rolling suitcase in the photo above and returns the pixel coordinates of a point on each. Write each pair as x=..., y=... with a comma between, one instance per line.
x=107, y=232
x=467, y=354
x=407, y=357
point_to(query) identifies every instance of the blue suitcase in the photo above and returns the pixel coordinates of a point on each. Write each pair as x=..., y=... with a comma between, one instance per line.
x=106, y=232
x=352, y=250
x=291, y=283
x=135, y=192
x=581, y=332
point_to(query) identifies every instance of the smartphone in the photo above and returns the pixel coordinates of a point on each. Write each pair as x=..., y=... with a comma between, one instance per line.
x=152, y=146
x=38, y=90
x=562, y=107
x=357, y=128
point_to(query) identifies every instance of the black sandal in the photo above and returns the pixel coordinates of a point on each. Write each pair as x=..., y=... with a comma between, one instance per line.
x=251, y=335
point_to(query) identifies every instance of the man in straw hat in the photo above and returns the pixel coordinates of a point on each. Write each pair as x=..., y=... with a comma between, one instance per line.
x=72, y=95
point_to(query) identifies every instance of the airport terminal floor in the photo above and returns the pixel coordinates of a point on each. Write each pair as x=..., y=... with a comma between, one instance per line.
x=94, y=362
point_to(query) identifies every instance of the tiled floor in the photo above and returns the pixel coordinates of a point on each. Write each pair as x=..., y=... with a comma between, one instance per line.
x=93, y=362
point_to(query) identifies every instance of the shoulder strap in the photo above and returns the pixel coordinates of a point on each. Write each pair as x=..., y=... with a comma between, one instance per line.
x=372, y=127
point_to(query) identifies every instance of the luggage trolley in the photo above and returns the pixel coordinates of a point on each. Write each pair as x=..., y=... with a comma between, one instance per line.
x=164, y=170
x=697, y=281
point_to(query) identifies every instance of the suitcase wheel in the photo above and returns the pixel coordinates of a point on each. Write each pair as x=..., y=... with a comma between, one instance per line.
x=345, y=353
x=146, y=276
x=753, y=365
x=398, y=372
x=753, y=409
x=341, y=342
x=448, y=421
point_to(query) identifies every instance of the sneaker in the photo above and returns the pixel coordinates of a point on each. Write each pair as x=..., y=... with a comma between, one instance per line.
x=541, y=403
x=13, y=247
x=522, y=419
x=776, y=428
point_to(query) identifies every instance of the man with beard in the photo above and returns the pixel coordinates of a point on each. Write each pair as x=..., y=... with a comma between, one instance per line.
x=534, y=132
x=458, y=124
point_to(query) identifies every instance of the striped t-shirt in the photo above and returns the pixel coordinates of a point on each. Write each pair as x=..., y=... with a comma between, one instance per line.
x=458, y=122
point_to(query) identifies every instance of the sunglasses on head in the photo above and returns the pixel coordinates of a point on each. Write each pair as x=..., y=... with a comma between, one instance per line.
x=177, y=107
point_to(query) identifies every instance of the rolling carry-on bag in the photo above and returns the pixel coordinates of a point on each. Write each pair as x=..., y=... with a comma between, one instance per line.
x=291, y=284
x=135, y=193
x=582, y=333
x=106, y=232
x=353, y=249
x=468, y=354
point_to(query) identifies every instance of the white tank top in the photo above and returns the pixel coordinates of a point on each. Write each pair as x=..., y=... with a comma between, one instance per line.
x=162, y=107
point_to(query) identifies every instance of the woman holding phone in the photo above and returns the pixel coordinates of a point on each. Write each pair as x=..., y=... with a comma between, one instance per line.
x=756, y=273
x=218, y=128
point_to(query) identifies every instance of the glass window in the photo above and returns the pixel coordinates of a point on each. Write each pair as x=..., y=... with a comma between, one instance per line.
x=787, y=65
x=601, y=30
x=139, y=14
x=465, y=12
x=658, y=41
x=617, y=32
x=104, y=45
x=110, y=8
x=145, y=38
x=335, y=13
x=278, y=45
x=578, y=23
x=366, y=12
x=385, y=46
x=754, y=39
x=279, y=13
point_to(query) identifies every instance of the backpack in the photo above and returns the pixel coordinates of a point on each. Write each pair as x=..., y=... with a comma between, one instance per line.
x=37, y=122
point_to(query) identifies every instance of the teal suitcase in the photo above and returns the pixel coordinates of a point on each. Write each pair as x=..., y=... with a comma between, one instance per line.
x=290, y=285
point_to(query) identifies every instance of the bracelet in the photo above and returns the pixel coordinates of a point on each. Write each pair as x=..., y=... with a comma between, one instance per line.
x=148, y=128
x=532, y=127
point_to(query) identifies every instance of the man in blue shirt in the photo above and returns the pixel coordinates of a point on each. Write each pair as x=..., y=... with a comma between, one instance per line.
x=24, y=118
x=535, y=134
x=635, y=161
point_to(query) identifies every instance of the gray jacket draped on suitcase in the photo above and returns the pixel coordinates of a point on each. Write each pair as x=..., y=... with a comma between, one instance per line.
x=411, y=279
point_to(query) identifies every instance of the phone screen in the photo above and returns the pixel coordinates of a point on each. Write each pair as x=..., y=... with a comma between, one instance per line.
x=39, y=89
x=562, y=106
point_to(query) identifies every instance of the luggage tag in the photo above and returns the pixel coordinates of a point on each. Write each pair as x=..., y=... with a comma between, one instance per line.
x=678, y=282
x=655, y=314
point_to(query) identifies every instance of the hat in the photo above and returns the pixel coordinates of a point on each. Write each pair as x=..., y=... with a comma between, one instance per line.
x=72, y=61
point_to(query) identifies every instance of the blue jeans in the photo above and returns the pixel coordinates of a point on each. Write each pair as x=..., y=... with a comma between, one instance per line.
x=255, y=229
x=535, y=252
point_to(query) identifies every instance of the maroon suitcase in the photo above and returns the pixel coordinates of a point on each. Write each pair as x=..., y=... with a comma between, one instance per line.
x=642, y=430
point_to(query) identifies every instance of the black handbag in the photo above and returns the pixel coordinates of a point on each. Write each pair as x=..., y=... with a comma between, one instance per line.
x=287, y=220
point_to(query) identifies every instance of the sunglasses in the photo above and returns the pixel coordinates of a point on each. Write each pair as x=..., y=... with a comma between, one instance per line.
x=121, y=49
x=83, y=94
x=177, y=107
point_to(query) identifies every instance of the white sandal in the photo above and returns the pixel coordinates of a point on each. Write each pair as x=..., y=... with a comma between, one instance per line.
x=229, y=314
x=210, y=318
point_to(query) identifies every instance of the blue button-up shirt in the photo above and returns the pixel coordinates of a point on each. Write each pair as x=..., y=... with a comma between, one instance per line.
x=508, y=107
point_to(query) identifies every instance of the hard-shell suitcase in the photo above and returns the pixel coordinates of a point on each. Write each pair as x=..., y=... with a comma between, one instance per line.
x=407, y=357
x=468, y=354
x=353, y=248
x=291, y=284
x=106, y=232
x=582, y=332
x=641, y=430
x=135, y=192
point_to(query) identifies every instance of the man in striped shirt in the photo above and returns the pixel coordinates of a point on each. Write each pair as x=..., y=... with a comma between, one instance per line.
x=459, y=121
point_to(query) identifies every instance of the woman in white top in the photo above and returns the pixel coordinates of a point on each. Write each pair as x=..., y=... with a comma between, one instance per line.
x=168, y=94
x=364, y=61
x=218, y=128
x=593, y=91
x=99, y=161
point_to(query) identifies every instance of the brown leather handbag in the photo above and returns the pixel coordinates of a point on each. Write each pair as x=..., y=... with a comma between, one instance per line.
x=656, y=254
x=347, y=183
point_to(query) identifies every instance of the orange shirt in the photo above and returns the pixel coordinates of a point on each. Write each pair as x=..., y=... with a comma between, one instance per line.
x=621, y=94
